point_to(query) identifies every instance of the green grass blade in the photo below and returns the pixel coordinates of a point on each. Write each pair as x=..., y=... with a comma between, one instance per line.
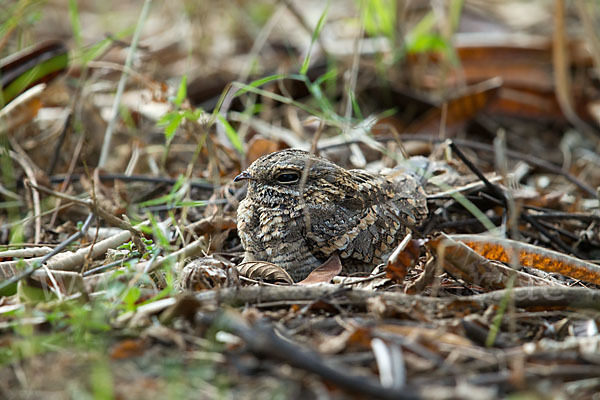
x=172, y=197
x=232, y=135
x=75, y=23
x=33, y=75
x=181, y=91
x=260, y=82
x=314, y=38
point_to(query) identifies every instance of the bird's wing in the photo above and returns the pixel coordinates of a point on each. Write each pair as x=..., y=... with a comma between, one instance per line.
x=369, y=218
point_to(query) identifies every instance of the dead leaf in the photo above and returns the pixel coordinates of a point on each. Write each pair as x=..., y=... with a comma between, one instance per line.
x=23, y=109
x=525, y=103
x=127, y=348
x=259, y=146
x=324, y=272
x=265, y=271
x=518, y=66
x=398, y=264
x=425, y=279
x=460, y=110
x=361, y=338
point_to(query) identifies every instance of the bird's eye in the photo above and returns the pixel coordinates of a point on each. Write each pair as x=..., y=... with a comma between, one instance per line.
x=287, y=178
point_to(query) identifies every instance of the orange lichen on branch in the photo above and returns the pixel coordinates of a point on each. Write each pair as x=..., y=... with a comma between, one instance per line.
x=463, y=261
x=527, y=255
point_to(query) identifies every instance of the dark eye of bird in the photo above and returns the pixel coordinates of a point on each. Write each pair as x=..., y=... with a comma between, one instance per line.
x=287, y=178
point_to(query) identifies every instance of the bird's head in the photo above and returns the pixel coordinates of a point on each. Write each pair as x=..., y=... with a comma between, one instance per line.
x=277, y=178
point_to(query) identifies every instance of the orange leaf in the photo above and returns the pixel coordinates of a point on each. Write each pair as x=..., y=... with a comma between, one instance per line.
x=398, y=264
x=259, y=147
x=23, y=109
x=360, y=337
x=127, y=348
x=460, y=110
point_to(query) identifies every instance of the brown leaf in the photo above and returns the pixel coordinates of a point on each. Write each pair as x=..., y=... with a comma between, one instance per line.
x=265, y=271
x=460, y=110
x=127, y=348
x=520, y=65
x=526, y=70
x=354, y=338
x=259, y=146
x=23, y=109
x=426, y=278
x=324, y=272
x=399, y=263
x=526, y=103
x=360, y=337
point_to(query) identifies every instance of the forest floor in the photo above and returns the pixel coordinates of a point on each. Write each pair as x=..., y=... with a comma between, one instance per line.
x=120, y=271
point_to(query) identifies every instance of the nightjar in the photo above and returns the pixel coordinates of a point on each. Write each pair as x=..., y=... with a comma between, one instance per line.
x=297, y=222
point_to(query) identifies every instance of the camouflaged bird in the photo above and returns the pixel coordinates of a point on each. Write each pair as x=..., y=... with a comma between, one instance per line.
x=298, y=225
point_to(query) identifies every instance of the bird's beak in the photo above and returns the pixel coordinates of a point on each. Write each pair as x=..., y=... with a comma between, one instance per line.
x=244, y=175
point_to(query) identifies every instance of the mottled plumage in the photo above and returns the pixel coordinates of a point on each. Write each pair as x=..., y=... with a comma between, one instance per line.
x=360, y=215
